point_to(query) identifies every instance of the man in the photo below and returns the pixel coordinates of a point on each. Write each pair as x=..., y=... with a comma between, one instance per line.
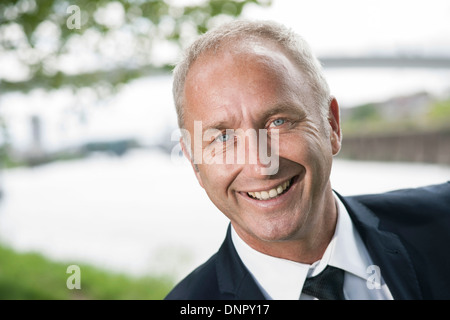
x=288, y=227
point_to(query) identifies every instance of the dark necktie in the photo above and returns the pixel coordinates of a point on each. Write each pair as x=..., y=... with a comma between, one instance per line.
x=327, y=285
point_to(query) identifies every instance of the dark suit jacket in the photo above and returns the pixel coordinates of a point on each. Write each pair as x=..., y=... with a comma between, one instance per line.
x=407, y=234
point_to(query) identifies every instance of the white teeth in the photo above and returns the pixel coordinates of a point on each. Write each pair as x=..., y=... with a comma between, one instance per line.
x=272, y=193
x=264, y=195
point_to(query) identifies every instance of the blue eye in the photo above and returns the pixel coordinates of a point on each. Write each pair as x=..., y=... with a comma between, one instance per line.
x=223, y=138
x=278, y=122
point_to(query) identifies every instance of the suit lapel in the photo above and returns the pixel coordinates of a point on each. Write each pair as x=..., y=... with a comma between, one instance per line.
x=233, y=277
x=386, y=251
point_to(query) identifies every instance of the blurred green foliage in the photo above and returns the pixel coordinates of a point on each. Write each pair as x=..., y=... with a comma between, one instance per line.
x=368, y=119
x=100, y=45
x=125, y=34
x=29, y=276
x=440, y=112
x=366, y=112
x=44, y=47
x=364, y=118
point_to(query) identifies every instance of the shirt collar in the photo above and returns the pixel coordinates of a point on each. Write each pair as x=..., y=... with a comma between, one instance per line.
x=278, y=279
x=350, y=253
x=282, y=279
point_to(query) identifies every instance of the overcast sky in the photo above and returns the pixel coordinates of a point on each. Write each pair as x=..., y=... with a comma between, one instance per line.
x=365, y=27
x=344, y=27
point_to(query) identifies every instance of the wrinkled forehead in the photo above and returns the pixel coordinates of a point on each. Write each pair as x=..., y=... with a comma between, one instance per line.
x=241, y=60
x=267, y=54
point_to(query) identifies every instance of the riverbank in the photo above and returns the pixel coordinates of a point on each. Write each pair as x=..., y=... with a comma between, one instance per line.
x=30, y=276
x=145, y=213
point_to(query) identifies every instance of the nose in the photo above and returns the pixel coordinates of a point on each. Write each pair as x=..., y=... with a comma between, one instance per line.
x=259, y=161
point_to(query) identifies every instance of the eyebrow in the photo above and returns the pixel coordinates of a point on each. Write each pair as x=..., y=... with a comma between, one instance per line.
x=280, y=108
x=286, y=108
x=218, y=125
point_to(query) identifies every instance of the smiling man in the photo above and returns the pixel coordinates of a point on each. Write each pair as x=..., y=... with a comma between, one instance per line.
x=291, y=236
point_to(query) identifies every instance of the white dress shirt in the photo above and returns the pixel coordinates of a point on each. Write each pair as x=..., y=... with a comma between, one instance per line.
x=281, y=279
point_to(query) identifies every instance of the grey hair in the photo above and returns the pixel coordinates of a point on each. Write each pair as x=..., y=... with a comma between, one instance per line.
x=294, y=45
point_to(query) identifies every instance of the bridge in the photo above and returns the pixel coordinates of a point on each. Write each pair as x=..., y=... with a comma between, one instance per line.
x=386, y=62
x=424, y=147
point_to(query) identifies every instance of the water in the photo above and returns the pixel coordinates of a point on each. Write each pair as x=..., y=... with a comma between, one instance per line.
x=144, y=214
x=144, y=108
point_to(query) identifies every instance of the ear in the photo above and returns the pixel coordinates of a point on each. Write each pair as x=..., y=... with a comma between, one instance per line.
x=335, y=126
x=187, y=154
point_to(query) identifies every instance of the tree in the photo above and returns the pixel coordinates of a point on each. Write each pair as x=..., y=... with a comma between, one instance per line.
x=55, y=43
x=98, y=45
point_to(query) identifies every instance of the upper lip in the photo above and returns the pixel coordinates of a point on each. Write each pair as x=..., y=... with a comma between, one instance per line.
x=266, y=188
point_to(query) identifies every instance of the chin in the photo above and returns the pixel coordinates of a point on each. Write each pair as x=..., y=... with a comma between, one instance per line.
x=277, y=231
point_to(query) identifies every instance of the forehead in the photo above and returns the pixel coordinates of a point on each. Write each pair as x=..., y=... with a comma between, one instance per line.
x=242, y=74
x=240, y=60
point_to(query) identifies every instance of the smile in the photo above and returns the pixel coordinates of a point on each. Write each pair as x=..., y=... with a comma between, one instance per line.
x=272, y=193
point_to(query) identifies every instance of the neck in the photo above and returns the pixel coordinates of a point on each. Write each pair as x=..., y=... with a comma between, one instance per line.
x=311, y=245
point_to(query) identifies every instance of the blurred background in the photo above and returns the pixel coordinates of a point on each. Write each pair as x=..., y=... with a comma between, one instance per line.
x=90, y=171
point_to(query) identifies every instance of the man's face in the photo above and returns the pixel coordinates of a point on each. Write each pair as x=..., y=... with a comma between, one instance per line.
x=256, y=86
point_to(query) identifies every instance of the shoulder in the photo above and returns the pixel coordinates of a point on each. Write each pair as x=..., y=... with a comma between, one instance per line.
x=216, y=279
x=439, y=191
x=222, y=277
x=194, y=287
x=414, y=213
x=429, y=200
x=420, y=219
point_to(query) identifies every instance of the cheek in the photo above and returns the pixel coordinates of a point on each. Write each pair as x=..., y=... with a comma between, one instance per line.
x=217, y=182
x=216, y=177
x=307, y=149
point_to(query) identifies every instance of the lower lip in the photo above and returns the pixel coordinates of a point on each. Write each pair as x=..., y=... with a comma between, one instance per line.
x=273, y=201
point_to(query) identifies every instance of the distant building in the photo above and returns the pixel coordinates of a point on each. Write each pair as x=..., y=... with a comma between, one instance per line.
x=36, y=136
x=397, y=108
x=402, y=107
